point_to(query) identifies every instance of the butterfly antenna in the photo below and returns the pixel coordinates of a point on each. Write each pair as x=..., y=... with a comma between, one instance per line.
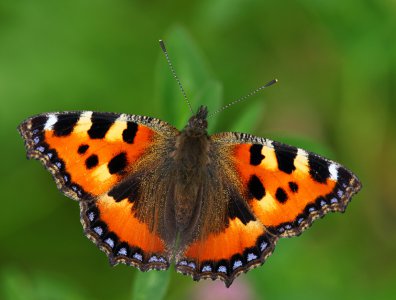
x=162, y=45
x=244, y=97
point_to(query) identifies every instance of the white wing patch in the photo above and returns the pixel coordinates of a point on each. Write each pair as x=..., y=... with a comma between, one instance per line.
x=333, y=169
x=52, y=119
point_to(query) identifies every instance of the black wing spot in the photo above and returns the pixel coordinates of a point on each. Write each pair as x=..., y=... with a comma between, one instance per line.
x=65, y=124
x=126, y=189
x=100, y=125
x=318, y=168
x=91, y=161
x=82, y=149
x=237, y=208
x=281, y=195
x=255, y=154
x=256, y=188
x=117, y=163
x=128, y=135
x=293, y=186
x=285, y=156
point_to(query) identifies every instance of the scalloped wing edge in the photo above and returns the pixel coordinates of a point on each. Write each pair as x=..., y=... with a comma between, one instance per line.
x=323, y=206
x=156, y=261
x=36, y=148
x=189, y=268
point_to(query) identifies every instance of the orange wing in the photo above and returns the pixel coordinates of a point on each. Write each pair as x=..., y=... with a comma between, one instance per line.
x=92, y=156
x=279, y=191
x=226, y=254
x=111, y=225
x=287, y=188
x=87, y=152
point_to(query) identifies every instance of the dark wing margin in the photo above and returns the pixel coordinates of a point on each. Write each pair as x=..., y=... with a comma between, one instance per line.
x=225, y=255
x=111, y=225
x=32, y=131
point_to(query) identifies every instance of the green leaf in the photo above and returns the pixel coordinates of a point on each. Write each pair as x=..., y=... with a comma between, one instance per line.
x=150, y=285
x=195, y=75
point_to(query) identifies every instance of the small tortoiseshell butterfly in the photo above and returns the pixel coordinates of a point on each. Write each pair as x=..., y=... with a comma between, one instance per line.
x=150, y=194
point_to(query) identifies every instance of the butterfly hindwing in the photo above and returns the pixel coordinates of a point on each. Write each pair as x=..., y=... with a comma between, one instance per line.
x=111, y=224
x=224, y=255
x=88, y=152
x=287, y=188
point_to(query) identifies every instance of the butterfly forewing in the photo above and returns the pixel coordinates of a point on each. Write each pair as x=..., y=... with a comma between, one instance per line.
x=89, y=152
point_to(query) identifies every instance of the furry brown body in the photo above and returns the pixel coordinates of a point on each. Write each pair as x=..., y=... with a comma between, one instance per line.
x=192, y=202
x=191, y=161
x=194, y=175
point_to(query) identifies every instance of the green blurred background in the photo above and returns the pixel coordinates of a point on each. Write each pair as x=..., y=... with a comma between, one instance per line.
x=336, y=65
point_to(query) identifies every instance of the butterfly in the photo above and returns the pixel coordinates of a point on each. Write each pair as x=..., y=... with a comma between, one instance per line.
x=151, y=195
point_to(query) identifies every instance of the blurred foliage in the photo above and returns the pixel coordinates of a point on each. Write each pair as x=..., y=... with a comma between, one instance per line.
x=151, y=285
x=336, y=65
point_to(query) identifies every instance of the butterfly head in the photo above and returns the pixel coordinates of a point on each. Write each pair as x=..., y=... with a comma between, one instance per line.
x=198, y=123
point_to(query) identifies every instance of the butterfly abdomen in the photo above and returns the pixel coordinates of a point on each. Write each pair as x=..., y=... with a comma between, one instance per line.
x=190, y=163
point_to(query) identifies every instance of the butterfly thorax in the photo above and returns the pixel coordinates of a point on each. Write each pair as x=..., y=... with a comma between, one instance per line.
x=191, y=159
